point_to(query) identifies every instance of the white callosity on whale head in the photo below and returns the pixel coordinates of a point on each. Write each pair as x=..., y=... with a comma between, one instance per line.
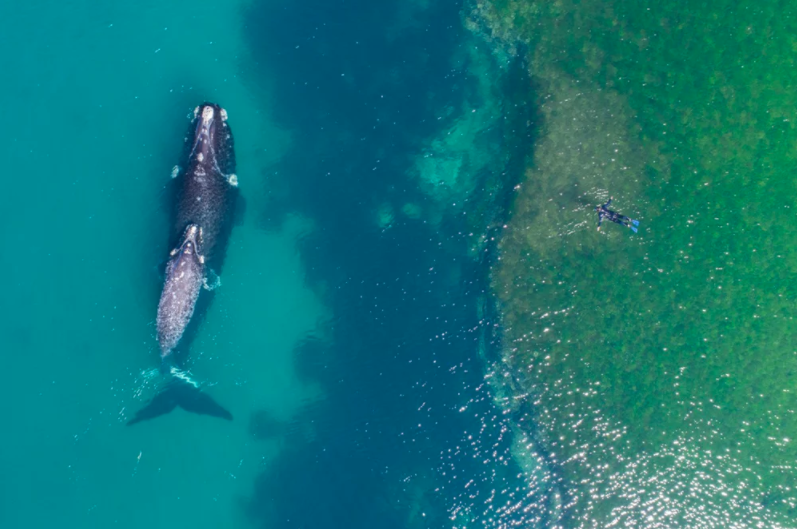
x=200, y=157
x=175, y=171
x=193, y=232
x=223, y=115
x=207, y=114
x=233, y=180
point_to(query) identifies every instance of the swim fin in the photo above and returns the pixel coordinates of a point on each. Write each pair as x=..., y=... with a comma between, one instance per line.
x=633, y=228
x=635, y=222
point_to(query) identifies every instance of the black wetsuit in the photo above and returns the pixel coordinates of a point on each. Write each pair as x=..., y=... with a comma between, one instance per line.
x=605, y=213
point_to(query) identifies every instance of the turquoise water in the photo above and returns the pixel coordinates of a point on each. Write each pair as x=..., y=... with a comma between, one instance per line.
x=98, y=98
x=412, y=328
x=345, y=337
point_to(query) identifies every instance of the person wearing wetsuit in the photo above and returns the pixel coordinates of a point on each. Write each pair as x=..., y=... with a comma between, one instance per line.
x=605, y=213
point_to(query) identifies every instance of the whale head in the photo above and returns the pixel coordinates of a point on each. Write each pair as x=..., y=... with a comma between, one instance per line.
x=190, y=243
x=211, y=142
x=208, y=118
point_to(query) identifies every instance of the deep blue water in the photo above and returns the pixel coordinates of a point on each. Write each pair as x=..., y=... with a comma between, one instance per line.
x=408, y=430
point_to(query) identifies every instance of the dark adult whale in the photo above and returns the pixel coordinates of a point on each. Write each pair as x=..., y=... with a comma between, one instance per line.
x=202, y=218
x=205, y=194
x=207, y=188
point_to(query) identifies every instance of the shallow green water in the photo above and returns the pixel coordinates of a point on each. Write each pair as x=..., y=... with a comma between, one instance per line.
x=663, y=363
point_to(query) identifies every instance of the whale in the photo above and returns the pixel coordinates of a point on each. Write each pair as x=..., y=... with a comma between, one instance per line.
x=204, y=192
x=185, y=275
x=207, y=188
x=203, y=207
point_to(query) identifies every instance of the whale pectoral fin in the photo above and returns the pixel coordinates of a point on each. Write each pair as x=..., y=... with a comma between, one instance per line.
x=212, y=280
x=239, y=213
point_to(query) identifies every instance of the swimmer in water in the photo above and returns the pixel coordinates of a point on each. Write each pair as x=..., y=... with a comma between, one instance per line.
x=605, y=213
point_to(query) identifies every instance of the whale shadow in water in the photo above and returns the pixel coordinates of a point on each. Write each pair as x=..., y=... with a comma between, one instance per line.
x=179, y=393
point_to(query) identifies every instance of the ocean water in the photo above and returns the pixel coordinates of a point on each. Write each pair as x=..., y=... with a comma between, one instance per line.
x=348, y=337
x=417, y=325
x=659, y=365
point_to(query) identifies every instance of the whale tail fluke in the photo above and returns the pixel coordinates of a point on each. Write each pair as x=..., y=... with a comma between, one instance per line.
x=183, y=393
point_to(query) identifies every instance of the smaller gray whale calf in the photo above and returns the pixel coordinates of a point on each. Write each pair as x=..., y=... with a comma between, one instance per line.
x=185, y=275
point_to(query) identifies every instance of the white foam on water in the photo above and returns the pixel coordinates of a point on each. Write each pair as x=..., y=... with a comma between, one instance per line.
x=185, y=376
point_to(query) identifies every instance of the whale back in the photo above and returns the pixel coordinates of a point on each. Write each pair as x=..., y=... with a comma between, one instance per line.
x=185, y=273
x=207, y=189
